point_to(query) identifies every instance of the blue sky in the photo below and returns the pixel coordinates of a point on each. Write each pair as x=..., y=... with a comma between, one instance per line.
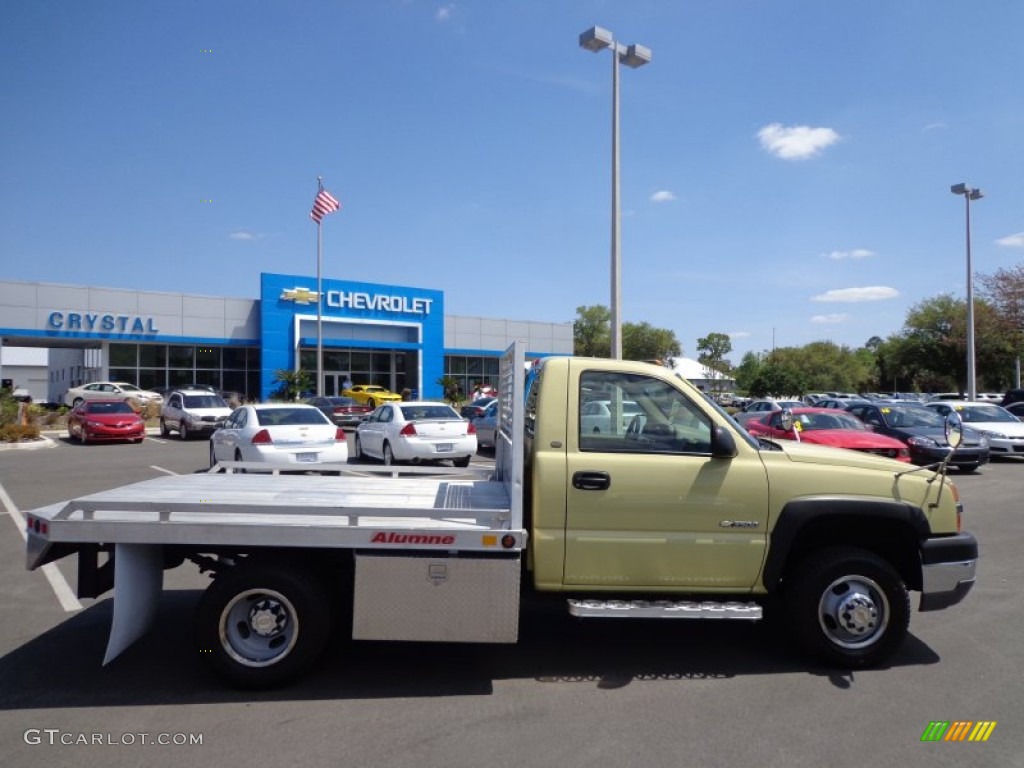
x=785, y=165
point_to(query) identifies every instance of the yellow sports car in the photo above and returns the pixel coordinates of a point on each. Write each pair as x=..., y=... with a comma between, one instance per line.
x=371, y=394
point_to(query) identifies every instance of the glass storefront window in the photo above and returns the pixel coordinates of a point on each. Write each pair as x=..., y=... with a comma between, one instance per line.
x=234, y=358
x=129, y=375
x=336, y=360
x=208, y=357
x=361, y=362
x=152, y=356
x=124, y=355
x=180, y=357
x=150, y=379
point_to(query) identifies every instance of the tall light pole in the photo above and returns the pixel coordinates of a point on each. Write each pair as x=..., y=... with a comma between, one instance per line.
x=597, y=39
x=969, y=193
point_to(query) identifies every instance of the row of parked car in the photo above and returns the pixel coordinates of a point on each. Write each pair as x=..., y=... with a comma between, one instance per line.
x=285, y=434
x=905, y=429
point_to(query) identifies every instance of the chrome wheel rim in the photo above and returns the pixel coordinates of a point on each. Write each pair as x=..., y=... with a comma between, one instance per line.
x=258, y=628
x=853, y=612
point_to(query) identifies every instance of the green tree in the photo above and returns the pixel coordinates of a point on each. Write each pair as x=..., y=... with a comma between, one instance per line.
x=591, y=331
x=713, y=348
x=777, y=379
x=933, y=341
x=291, y=384
x=745, y=373
x=642, y=341
x=450, y=387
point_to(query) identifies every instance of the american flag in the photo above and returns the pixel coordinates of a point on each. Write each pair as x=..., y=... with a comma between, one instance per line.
x=324, y=204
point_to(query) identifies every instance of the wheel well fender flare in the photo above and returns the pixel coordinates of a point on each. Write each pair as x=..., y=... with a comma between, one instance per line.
x=824, y=515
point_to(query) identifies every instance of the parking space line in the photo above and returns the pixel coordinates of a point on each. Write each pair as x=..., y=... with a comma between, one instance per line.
x=161, y=469
x=61, y=588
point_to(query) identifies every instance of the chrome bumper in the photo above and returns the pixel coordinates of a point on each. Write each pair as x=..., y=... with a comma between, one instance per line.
x=946, y=584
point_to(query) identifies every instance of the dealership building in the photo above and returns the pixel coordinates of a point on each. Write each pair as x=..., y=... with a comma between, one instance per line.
x=395, y=336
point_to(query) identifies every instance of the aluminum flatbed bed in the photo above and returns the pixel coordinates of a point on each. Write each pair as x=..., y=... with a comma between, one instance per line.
x=290, y=510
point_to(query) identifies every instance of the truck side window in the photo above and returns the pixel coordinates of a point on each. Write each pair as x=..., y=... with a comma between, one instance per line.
x=634, y=413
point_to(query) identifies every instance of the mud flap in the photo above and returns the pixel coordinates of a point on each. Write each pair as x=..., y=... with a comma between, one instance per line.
x=138, y=582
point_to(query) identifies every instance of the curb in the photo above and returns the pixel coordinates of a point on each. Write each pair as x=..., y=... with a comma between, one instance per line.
x=43, y=441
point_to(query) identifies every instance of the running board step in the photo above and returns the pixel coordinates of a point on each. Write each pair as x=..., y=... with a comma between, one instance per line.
x=663, y=609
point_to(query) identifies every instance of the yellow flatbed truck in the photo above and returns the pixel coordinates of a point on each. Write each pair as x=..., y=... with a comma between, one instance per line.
x=673, y=513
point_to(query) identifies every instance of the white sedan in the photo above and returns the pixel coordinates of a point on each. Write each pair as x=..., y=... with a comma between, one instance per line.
x=1005, y=432
x=596, y=416
x=290, y=435
x=416, y=431
x=110, y=390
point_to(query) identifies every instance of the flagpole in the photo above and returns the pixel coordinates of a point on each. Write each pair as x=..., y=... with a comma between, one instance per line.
x=319, y=302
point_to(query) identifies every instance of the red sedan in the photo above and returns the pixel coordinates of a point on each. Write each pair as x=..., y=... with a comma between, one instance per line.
x=826, y=426
x=105, y=420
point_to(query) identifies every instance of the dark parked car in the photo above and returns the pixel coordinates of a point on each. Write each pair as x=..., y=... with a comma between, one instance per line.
x=343, y=411
x=923, y=430
x=1017, y=409
x=476, y=408
x=1012, y=396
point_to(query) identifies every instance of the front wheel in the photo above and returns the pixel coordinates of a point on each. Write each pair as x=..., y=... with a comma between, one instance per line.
x=183, y=430
x=164, y=431
x=389, y=457
x=263, y=625
x=357, y=449
x=847, y=606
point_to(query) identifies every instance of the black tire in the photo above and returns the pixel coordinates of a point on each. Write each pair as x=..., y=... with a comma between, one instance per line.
x=969, y=468
x=213, y=458
x=463, y=462
x=357, y=449
x=372, y=403
x=847, y=606
x=387, y=456
x=263, y=625
x=238, y=457
x=164, y=431
x=76, y=402
x=183, y=430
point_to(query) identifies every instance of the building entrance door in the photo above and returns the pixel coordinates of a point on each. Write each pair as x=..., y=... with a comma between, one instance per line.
x=335, y=382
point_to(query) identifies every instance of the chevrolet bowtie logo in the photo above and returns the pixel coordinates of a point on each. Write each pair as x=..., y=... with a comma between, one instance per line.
x=299, y=295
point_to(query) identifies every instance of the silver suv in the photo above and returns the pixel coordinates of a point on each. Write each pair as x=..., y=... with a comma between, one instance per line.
x=193, y=411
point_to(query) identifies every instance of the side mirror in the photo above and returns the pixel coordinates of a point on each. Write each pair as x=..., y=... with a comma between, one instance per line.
x=723, y=445
x=954, y=429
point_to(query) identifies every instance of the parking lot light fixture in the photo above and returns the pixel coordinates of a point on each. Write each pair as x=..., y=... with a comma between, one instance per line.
x=597, y=39
x=969, y=194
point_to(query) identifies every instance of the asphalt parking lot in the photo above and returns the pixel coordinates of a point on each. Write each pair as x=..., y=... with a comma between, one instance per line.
x=569, y=694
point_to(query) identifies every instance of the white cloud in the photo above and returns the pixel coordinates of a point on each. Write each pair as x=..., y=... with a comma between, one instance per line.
x=243, y=235
x=856, y=253
x=445, y=12
x=826, y=319
x=1012, y=241
x=856, y=295
x=662, y=196
x=796, y=142
x=738, y=334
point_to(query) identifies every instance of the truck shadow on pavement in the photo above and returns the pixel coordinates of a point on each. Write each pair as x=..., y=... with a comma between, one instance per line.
x=62, y=667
